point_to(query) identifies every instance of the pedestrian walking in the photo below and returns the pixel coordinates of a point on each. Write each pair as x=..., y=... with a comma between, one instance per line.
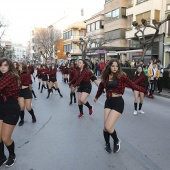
x=114, y=81
x=25, y=96
x=9, y=109
x=139, y=79
x=84, y=87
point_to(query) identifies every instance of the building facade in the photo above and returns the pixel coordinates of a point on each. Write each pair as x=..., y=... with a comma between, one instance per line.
x=20, y=52
x=167, y=37
x=72, y=34
x=148, y=9
x=95, y=31
x=115, y=26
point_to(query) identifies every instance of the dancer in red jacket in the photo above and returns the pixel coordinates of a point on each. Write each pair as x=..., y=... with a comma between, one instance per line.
x=139, y=79
x=114, y=81
x=84, y=87
x=9, y=109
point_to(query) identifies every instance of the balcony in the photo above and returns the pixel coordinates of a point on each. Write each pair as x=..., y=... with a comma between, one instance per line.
x=140, y=1
x=74, y=37
x=75, y=51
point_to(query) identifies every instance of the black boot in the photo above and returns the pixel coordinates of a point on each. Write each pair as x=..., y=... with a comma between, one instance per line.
x=22, y=118
x=2, y=154
x=74, y=97
x=34, y=94
x=59, y=92
x=107, y=140
x=48, y=93
x=42, y=86
x=71, y=98
x=33, y=115
x=39, y=85
x=12, y=156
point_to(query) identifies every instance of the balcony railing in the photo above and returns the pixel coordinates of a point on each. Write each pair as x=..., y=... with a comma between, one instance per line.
x=140, y=1
x=76, y=37
x=75, y=51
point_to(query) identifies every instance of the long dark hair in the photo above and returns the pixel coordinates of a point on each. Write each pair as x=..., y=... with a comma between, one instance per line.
x=85, y=63
x=107, y=71
x=50, y=67
x=12, y=69
x=136, y=72
x=24, y=68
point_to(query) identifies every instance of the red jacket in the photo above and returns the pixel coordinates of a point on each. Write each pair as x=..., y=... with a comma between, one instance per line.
x=101, y=66
x=9, y=87
x=66, y=70
x=38, y=72
x=44, y=72
x=83, y=76
x=72, y=75
x=52, y=73
x=25, y=79
x=30, y=69
x=124, y=81
x=140, y=80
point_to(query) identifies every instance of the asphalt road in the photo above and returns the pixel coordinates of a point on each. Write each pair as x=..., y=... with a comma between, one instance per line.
x=61, y=141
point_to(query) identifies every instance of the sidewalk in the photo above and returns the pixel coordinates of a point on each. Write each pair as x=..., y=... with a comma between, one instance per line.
x=164, y=93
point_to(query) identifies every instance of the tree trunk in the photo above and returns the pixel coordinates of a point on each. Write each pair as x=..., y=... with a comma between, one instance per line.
x=144, y=52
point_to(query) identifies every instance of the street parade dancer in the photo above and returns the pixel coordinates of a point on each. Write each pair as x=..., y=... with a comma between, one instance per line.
x=114, y=81
x=44, y=71
x=9, y=109
x=25, y=96
x=84, y=87
x=139, y=79
x=53, y=80
x=72, y=81
x=39, y=76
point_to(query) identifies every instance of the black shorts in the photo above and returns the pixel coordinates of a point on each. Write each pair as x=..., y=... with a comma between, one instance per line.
x=32, y=72
x=25, y=93
x=86, y=87
x=53, y=79
x=39, y=77
x=44, y=78
x=9, y=111
x=115, y=103
x=93, y=78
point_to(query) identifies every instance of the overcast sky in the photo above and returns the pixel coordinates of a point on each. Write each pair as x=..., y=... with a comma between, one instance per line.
x=24, y=14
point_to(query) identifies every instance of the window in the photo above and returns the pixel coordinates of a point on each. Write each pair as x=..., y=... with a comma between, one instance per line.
x=116, y=13
x=157, y=15
x=168, y=28
x=140, y=1
x=97, y=25
x=88, y=28
x=123, y=12
x=106, y=1
x=146, y=15
x=168, y=7
x=81, y=33
x=108, y=16
x=129, y=21
x=116, y=34
x=93, y=27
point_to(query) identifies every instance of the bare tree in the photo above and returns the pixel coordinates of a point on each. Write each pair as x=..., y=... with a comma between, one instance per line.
x=45, y=39
x=88, y=42
x=3, y=26
x=140, y=34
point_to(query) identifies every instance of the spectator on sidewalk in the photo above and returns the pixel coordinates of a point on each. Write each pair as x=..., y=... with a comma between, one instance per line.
x=132, y=64
x=145, y=70
x=160, y=79
x=153, y=75
x=141, y=63
x=168, y=67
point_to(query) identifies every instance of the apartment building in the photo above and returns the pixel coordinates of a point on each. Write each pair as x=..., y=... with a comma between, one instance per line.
x=167, y=37
x=115, y=27
x=148, y=9
x=95, y=30
x=72, y=34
